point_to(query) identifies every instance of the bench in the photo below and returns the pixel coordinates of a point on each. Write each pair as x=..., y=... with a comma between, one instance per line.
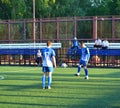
x=111, y=45
x=25, y=48
x=108, y=56
x=22, y=53
x=113, y=49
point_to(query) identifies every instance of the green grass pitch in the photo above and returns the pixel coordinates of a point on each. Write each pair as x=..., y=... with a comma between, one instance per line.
x=21, y=88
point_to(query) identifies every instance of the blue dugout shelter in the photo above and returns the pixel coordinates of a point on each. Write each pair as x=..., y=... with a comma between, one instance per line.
x=22, y=53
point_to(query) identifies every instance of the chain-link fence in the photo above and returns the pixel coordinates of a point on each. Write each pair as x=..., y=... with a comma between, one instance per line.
x=62, y=30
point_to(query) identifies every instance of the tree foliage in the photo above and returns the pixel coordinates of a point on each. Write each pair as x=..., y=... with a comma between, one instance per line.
x=18, y=9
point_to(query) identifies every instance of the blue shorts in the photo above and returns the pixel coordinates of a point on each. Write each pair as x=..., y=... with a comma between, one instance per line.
x=83, y=63
x=47, y=69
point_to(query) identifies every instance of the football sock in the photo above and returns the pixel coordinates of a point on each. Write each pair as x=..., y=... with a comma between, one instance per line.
x=49, y=81
x=79, y=69
x=86, y=72
x=43, y=81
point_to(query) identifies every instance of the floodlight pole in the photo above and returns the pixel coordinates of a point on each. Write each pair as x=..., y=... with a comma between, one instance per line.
x=34, y=28
x=34, y=21
x=95, y=27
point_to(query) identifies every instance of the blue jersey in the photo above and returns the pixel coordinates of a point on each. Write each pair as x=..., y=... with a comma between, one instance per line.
x=85, y=54
x=75, y=43
x=47, y=54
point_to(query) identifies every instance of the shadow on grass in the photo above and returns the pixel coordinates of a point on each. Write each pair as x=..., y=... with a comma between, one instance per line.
x=64, y=83
x=33, y=104
x=13, y=87
x=107, y=75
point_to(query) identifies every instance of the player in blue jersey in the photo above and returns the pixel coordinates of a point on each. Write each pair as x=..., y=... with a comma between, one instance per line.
x=48, y=62
x=75, y=43
x=85, y=56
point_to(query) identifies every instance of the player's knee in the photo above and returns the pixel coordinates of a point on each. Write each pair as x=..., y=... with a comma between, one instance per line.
x=49, y=73
x=85, y=67
x=79, y=66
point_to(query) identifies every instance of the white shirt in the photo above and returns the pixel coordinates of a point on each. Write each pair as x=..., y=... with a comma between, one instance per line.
x=47, y=54
x=39, y=54
x=98, y=42
x=105, y=43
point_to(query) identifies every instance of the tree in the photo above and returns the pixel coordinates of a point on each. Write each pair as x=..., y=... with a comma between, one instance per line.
x=68, y=8
x=12, y=9
x=5, y=9
x=99, y=7
x=18, y=9
x=114, y=7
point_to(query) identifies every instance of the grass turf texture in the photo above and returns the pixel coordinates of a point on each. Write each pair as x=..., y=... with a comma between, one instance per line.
x=21, y=88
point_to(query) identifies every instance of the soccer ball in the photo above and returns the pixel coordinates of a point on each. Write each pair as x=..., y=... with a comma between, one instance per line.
x=64, y=65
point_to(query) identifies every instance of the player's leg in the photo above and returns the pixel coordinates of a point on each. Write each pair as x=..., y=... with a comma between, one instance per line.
x=44, y=77
x=43, y=80
x=86, y=72
x=85, y=69
x=79, y=69
x=50, y=69
x=49, y=79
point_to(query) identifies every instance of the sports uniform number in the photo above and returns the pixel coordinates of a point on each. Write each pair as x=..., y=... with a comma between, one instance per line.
x=46, y=54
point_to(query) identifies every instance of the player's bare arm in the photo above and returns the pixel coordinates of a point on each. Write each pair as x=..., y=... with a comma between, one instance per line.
x=54, y=61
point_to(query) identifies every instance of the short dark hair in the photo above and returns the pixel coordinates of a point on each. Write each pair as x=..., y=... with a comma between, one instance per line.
x=81, y=42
